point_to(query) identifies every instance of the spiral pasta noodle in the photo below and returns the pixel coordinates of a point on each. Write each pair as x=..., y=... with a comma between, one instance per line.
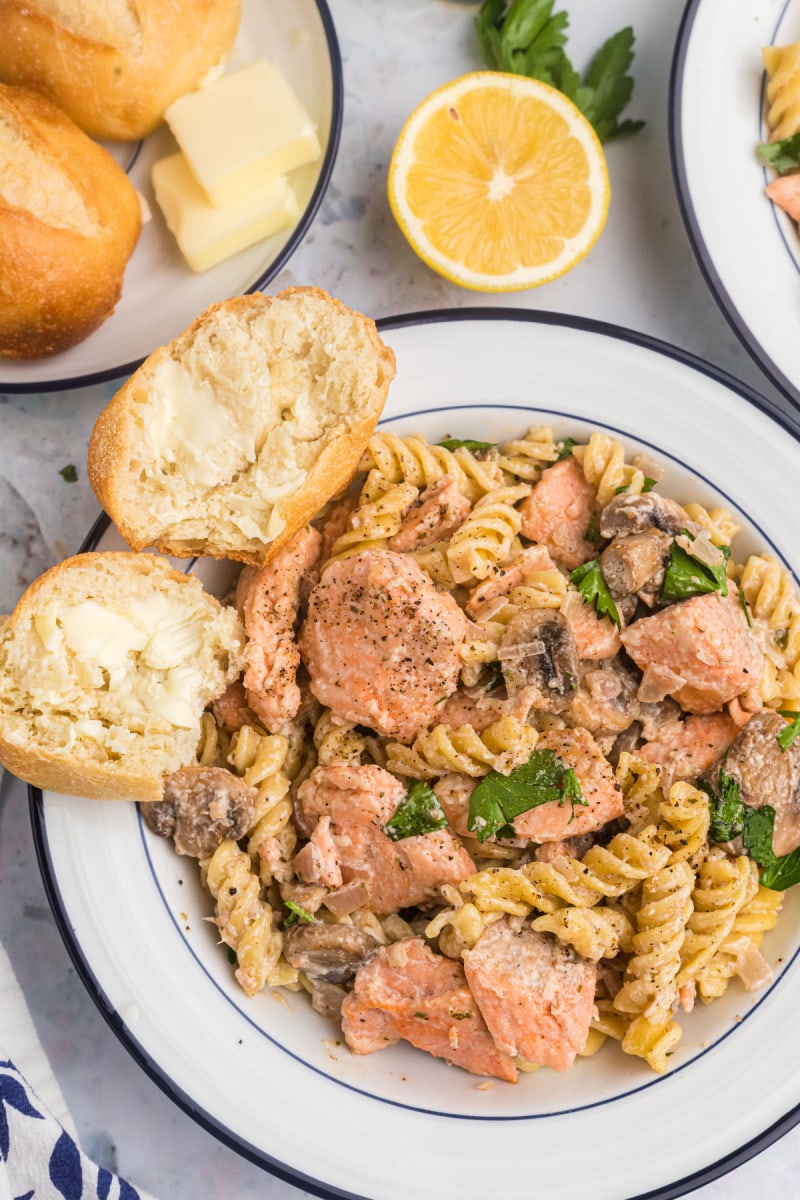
x=525, y=458
x=685, y=820
x=653, y=1041
x=212, y=749
x=642, y=793
x=338, y=742
x=604, y=466
x=485, y=540
x=460, y=926
x=376, y=519
x=783, y=89
x=243, y=919
x=604, y=872
x=650, y=987
x=415, y=461
x=722, y=887
x=717, y=522
x=501, y=747
x=594, y=932
x=756, y=916
x=260, y=759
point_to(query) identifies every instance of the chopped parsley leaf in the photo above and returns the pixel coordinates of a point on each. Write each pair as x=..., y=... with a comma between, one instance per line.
x=590, y=583
x=418, y=812
x=499, y=799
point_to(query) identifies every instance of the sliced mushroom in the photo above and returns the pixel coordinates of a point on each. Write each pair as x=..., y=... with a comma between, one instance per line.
x=627, y=514
x=308, y=895
x=606, y=701
x=538, y=651
x=202, y=806
x=766, y=774
x=634, y=560
x=327, y=999
x=328, y=953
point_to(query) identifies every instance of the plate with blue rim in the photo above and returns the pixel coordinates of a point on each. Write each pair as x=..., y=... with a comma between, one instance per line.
x=399, y=1123
x=747, y=248
x=161, y=295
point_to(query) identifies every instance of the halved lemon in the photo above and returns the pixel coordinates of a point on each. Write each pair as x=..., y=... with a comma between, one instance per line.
x=498, y=182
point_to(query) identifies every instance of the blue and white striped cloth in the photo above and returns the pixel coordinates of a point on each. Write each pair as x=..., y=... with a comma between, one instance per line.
x=39, y=1155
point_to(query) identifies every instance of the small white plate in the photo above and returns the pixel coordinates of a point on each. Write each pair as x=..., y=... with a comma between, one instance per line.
x=269, y=1077
x=161, y=295
x=748, y=250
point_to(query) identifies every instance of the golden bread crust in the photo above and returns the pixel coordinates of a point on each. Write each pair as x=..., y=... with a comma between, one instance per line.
x=61, y=278
x=117, y=91
x=111, y=447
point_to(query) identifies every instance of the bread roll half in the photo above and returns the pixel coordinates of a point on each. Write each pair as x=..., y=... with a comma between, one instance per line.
x=234, y=435
x=106, y=665
x=114, y=65
x=69, y=220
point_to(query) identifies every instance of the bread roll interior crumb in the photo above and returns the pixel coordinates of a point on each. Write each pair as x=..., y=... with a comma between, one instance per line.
x=216, y=444
x=106, y=666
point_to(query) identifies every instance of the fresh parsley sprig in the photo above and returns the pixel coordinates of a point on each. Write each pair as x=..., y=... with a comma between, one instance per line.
x=731, y=818
x=418, y=812
x=689, y=576
x=592, y=586
x=498, y=799
x=790, y=731
x=298, y=913
x=783, y=156
x=525, y=37
x=468, y=443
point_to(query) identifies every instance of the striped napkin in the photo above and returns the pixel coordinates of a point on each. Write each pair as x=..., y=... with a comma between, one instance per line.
x=40, y=1158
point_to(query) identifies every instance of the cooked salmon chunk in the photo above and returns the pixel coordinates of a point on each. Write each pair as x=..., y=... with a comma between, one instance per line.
x=437, y=513
x=688, y=748
x=407, y=991
x=596, y=637
x=535, y=995
x=268, y=599
x=558, y=513
x=707, y=646
x=785, y=192
x=553, y=821
x=347, y=807
x=381, y=644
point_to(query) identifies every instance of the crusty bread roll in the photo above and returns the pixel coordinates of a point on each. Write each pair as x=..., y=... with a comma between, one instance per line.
x=69, y=220
x=230, y=438
x=114, y=65
x=106, y=665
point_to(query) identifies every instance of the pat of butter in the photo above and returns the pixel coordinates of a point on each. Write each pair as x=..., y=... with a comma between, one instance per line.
x=207, y=235
x=243, y=130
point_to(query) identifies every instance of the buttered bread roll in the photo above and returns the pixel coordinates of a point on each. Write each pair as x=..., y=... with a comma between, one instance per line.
x=234, y=435
x=106, y=665
x=69, y=220
x=114, y=65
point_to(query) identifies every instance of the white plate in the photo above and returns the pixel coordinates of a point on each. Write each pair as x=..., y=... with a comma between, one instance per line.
x=267, y=1075
x=748, y=250
x=161, y=295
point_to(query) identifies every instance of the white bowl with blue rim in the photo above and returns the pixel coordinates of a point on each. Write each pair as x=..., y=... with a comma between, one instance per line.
x=272, y=1079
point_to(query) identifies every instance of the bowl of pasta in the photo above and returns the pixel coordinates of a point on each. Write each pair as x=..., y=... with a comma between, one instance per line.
x=735, y=144
x=463, y=932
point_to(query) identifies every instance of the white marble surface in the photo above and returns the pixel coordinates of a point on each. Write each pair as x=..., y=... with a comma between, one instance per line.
x=642, y=274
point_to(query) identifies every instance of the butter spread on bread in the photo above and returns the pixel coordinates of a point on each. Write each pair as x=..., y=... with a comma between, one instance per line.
x=114, y=65
x=106, y=665
x=234, y=435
